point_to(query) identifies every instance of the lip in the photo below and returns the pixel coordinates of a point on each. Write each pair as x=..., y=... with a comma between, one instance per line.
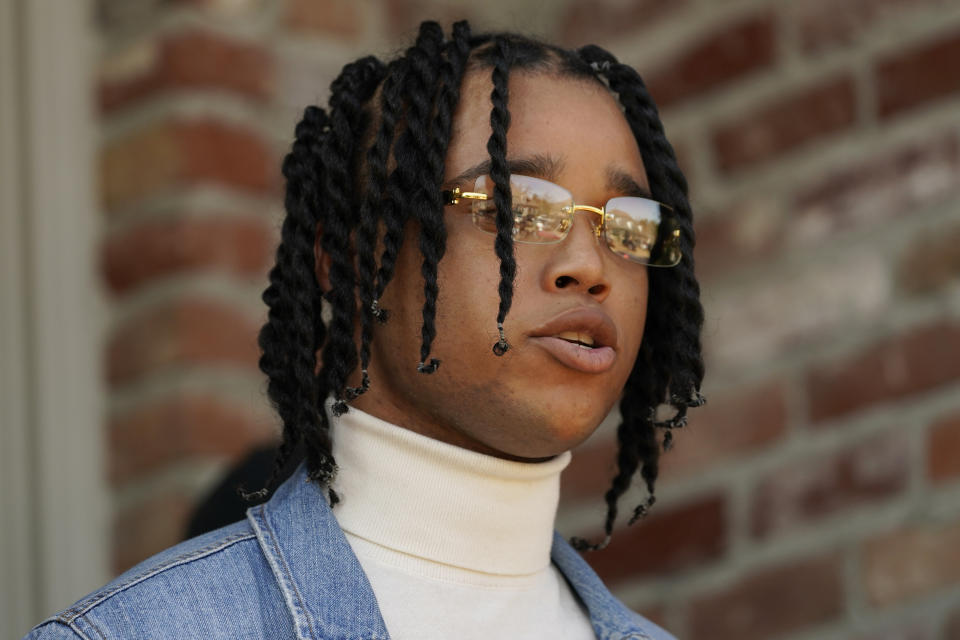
x=592, y=322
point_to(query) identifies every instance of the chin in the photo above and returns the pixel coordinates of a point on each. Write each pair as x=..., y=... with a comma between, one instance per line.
x=553, y=436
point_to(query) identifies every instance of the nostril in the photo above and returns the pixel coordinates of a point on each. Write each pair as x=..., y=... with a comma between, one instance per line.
x=597, y=289
x=563, y=281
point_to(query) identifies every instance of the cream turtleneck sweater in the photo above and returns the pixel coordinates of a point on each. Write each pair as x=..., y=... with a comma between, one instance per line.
x=456, y=544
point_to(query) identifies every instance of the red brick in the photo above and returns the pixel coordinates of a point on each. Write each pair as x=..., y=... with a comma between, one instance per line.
x=877, y=188
x=600, y=21
x=825, y=24
x=331, y=17
x=182, y=333
x=736, y=423
x=908, y=563
x=943, y=449
x=157, y=249
x=914, y=78
x=194, y=60
x=896, y=367
x=227, y=154
x=786, y=124
x=151, y=437
x=148, y=528
x=716, y=60
x=178, y=153
x=932, y=262
x=807, y=491
x=773, y=601
x=669, y=540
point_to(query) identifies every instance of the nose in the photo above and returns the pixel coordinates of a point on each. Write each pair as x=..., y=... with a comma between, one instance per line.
x=578, y=263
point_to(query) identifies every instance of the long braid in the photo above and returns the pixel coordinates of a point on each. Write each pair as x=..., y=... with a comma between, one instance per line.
x=500, y=174
x=414, y=165
x=348, y=120
x=392, y=210
x=433, y=235
x=289, y=337
x=376, y=178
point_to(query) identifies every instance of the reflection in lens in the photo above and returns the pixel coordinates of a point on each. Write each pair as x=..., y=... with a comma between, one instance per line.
x=539, y=209
x=631, y=227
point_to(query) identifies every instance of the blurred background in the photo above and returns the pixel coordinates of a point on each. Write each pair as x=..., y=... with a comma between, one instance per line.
x=817, y=496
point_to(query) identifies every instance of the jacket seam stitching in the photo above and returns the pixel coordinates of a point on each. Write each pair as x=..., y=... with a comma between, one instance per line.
x=74, y=612
x=286, y=570
x=100, y=633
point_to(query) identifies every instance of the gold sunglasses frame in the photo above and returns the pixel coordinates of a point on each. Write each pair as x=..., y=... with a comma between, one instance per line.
x=453, y=196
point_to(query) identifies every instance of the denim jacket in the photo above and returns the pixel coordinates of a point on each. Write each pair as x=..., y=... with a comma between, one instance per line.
x=287, y=571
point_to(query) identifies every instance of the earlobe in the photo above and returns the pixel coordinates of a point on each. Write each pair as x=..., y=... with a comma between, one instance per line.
x=321, y=261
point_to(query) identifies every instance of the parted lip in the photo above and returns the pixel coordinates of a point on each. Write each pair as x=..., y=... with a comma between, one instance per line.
x=586, y=320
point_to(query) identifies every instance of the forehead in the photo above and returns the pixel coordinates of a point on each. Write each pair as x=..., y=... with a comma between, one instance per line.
x=575, y=121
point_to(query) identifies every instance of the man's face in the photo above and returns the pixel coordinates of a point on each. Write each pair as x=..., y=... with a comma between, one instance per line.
x=536, y=401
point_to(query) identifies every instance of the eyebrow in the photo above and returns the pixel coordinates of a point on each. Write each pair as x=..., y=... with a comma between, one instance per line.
x=536, y=166
x=549, y=167
x=622, y=182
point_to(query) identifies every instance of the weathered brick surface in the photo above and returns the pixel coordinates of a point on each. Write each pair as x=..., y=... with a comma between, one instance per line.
x=193, y=60
x=823, y=25
x=911, y=562
x=898, y=366
x=943, y=449
x=796, y=309
x=916, y=77
x=772, y=601
x=148, y=528
x=154, y=250
x=184, y=333
x=734, y=424
x=183, y=153
x=810, y=490
x=932, y=261
x=338, y=18
x=877, y=188
x=600, y=21
x=801, y=117
x=740, y=236
x=719, y=59
x=673, y=538
x=178, y=428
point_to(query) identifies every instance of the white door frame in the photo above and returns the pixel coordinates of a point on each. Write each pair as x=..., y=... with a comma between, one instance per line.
x=55, y=533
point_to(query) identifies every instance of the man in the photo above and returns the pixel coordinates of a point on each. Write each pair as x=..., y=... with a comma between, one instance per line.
x=473, y=241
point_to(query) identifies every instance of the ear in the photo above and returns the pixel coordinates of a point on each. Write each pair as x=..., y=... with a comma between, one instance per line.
x=322, y=262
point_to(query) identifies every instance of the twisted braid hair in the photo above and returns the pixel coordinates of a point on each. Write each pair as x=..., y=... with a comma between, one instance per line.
x=372, y=166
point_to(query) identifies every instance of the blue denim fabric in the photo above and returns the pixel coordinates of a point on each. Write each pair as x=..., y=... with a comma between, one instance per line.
x=287, y=571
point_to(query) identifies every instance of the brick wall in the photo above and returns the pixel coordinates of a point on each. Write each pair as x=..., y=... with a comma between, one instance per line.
x=818, y=493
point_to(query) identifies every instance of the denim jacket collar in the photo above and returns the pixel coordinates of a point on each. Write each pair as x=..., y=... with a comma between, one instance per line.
x=317, y=568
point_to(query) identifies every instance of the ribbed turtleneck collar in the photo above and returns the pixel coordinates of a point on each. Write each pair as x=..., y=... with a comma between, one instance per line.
x=436, y=501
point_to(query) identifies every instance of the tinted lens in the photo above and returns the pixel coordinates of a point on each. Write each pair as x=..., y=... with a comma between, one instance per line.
x=640, y=230
x=540, y=209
